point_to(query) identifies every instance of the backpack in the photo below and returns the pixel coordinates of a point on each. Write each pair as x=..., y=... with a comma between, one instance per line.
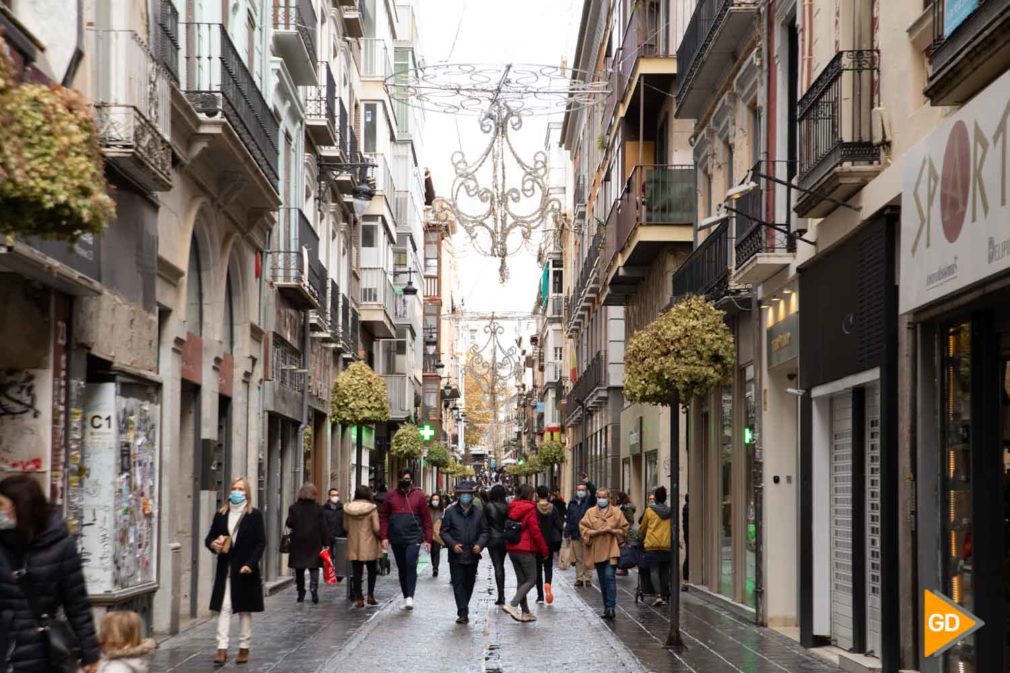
x=513, y=531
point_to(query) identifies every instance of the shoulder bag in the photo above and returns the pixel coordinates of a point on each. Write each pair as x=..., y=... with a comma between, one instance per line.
x=226, y=545
x=62, y=647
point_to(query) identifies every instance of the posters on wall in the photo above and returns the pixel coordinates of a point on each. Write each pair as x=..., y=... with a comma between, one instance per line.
x=119, y=516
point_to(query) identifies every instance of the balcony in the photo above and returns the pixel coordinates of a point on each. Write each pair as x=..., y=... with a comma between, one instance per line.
x=321, y=108
x=297, y=272
x=708, y=50
x=375, y=59
x=166, y=38
x=584, y=293
x=355, y=336
x=405, y=311
x=218, y=84
x=376, y=303
x=334, y=158
x=294, y=38
x=969, y=55
x=132, y=108
x=706, y=271
x=554, y=308
x=552, y=373
x=645, y=59
x=656, y=209
x=351, y=12
x=760, y=251
x=589, y=390
x=837, y=155
x=402, y=396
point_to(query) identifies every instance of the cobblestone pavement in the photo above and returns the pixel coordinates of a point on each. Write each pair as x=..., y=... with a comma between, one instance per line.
x=569, y=635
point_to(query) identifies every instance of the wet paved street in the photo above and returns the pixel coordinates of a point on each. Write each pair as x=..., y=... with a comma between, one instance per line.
x=569, y=635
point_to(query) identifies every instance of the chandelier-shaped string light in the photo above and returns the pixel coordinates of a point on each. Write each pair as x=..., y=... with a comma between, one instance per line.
x=501, y=366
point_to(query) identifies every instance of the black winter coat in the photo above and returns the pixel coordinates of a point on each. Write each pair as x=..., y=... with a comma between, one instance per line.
x=250, y=541
x=309, y=534
x=551, y=525
x=465, y=528
x=334, y=515
x=496, y=513
x=57, y=580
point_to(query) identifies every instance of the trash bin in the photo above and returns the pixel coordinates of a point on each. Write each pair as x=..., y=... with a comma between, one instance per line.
x=340, y=562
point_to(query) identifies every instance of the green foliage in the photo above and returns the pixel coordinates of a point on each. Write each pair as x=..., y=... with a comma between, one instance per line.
x=689, y=349
x=532, y=466
x=438, y=456
x=52, y=182
x=359, y=396
x=407, y=443
x=551, y=453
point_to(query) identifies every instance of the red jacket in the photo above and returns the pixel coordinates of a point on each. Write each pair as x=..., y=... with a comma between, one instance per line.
x=531, y=540
x=405, y=519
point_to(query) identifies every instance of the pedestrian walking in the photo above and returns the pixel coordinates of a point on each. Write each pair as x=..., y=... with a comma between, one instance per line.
x=435, y=509
x=309, y=536
x=529, y=543
x=238, y=538
x=406, y=526
x=496, y=512
x=628, y=509
x=585, y=498
x=333, y=513
x=466, y=534
x=559, y=503
x=364, y=543
x=552, y=528
x=604, y=529
x=655, y=530
x=40, y=574
x=124, y=648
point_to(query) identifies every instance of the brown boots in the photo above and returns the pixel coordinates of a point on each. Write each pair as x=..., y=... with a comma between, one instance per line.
x=360, y=603
x=221, y=658
x=371, y=600
x=243, y=656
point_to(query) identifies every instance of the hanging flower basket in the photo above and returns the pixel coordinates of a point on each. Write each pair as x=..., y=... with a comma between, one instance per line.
x=407, y=443
x=359, y=396
x=52, y=181
x=532, y=466
x=438, y=456
x=687, y=350
x=551, y=453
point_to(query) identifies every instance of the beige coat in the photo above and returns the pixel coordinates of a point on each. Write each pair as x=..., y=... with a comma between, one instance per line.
x=361, y=521
x=607, y=546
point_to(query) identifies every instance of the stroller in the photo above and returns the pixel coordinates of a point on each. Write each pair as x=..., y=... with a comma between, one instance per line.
x=633, y=556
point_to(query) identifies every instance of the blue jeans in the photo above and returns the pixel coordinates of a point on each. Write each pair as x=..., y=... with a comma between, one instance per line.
x=607, y=575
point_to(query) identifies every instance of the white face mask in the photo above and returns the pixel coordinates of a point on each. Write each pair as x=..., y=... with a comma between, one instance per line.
x=334, y=499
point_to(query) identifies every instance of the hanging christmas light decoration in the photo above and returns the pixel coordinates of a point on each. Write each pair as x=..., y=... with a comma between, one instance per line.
x=494, y=372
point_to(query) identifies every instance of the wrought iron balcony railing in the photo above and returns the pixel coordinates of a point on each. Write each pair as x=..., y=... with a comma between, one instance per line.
x=321, y=100
x=166, y=38
x=296, y=267
x=590, y=379
x=834, y=115
x=217, y=81
x=706, y=271
x=707, y=14
x=132, y=107
x=297, y=15
x=749, y=223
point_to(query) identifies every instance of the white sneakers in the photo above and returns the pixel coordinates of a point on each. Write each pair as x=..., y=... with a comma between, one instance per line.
x=513, y=611
x=408, y=604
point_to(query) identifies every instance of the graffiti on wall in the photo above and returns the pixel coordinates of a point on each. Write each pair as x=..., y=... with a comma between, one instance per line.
x=24, y=419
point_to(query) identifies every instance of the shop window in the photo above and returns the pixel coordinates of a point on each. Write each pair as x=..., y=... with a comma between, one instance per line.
x=726, y=492
x=958, y=574
x=750, y=421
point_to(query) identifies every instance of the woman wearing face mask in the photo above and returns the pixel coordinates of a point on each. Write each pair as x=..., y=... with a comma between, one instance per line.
x=238, y=538
x=604, y=529
x=435, y=507
x=308, y=537
x=33, y=537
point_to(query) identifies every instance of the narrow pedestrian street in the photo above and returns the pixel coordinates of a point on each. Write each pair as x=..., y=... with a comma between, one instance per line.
x=569, y=635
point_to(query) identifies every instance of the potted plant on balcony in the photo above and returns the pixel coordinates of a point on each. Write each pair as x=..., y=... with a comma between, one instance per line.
x=359, y=397
x=407, y=443
x=680, y=356
x=52, y=181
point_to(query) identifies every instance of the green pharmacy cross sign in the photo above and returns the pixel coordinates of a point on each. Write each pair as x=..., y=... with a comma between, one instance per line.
x=427, y=432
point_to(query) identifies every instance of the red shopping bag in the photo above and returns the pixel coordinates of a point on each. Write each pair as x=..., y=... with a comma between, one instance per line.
x=329, y=573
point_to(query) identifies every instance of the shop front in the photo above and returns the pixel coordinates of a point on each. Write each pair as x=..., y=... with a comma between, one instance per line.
x=955, y=286
x=848, y=440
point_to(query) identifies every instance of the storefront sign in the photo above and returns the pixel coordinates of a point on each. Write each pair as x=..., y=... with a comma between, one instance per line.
x=783, y=340
x=955, y=12
x=954, y=205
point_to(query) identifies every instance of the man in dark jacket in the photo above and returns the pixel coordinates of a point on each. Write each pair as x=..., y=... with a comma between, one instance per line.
x=585, y=497
x=465, y=533
x=405, y=525
x=333, y=512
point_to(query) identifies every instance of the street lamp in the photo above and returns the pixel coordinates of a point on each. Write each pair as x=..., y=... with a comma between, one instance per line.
x=409, y=289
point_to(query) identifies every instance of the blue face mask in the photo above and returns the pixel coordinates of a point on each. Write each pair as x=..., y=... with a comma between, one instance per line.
x=581, y=495
x=602, y=502
x=236, y=497
x=466, y=498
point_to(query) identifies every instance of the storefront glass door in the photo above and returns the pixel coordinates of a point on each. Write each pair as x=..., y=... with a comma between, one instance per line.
x=726, y=493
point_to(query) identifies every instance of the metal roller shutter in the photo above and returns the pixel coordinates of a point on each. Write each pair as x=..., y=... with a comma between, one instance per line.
x=841, y=520
x=873, y=519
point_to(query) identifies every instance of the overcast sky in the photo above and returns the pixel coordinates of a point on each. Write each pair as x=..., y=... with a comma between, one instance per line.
x=491, y=31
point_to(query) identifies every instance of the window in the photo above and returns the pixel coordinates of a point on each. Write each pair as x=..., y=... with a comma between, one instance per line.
x=755, y=135
x=228, y=331
x=194, y=291
x=371, y=131
x=558, y=353
x=369, y=234
x=250, y=43
x=557, y=280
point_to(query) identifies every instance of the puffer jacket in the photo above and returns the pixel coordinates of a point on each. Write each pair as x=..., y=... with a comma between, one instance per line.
x=57, y=580
x=128, y=660
x=495, y=513
x=531, y=540
x=655, y=528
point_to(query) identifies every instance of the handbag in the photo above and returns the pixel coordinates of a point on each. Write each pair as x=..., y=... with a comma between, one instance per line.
x=566, y=557
x=286, y=543
x=62, y=646
x=631, y=556
x=513, y=531
x=436, y=532
x=226, y=544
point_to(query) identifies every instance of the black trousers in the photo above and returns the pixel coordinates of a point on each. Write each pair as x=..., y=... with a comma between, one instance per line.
x=658, y=563
x=313, y=579
x=358, y=567
x=436, y=555
x=406, y=567
x=498, y=555
x=463, y=576
x=545, y=573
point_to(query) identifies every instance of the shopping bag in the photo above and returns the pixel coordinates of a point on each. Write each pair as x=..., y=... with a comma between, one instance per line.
x=566, y=557
x=329, y=573
x=631, y=556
